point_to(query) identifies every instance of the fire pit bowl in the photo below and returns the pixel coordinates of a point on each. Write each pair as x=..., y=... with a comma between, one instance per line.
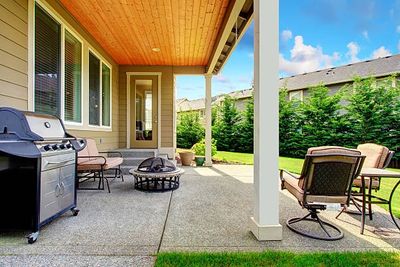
x=156, y=175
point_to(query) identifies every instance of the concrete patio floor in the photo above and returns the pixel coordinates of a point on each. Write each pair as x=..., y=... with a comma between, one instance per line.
x=209, y=212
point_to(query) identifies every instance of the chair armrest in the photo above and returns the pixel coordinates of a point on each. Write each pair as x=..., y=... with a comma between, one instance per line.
x=112, y=152
x=281, y=171
x=91, y=157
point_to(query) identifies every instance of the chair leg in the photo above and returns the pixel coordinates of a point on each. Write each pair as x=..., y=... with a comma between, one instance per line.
x=313, y=213
x=369, y=199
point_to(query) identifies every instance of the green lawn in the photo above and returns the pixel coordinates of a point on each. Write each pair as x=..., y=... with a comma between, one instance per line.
x=277, y=258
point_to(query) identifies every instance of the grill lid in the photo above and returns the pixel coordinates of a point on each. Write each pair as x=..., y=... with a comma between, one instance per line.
x=29, y=126
x=157, y=165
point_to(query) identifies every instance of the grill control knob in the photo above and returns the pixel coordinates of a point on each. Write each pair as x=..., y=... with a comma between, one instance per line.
x=69, y=145
x=62, y=146
x=54, y=147
x=46, y=147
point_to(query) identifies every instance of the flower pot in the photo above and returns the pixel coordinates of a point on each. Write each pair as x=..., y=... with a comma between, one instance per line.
x=186, y=157
x=199, y=160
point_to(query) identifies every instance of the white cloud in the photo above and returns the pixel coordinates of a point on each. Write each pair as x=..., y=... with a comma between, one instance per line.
x=398, y=29
x=352, y=53
x=398, y=46
x=305, y=58
x=381, y=52
x=286, y=35
x=222, y=79
x=365, y=34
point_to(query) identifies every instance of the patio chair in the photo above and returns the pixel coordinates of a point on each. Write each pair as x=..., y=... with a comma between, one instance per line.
x=377, y=156
x=92, y=164
x=327, y=176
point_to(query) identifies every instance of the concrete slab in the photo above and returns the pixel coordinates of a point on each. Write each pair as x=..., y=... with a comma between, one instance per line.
x=209, y=212
x=212, y=213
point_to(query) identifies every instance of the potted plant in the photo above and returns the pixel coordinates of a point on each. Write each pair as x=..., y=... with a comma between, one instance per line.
x=200, y=151
x=186, y=157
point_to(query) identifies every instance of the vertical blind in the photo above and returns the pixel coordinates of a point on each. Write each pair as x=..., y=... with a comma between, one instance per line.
x=94, y=90
x=105, y=95
x=73, y=86
x=47, y=63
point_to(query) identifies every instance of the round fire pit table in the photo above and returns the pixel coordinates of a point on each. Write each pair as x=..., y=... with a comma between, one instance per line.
x=156, y=175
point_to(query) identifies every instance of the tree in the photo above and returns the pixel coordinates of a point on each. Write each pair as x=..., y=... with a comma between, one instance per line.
x=320, y=118
x=189, y=131
x=373, y=112
x=289, y=129
x=246, y=128
x=225, y=130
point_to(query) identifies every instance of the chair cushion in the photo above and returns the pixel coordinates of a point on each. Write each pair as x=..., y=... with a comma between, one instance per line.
x=375, y=182
x=95, y=164
x=89, y=150
x=375, y=155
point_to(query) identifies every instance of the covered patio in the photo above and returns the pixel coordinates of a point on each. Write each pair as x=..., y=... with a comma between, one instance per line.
x=209, y=212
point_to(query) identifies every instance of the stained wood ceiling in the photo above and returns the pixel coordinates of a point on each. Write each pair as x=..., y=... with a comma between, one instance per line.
x=185, y=31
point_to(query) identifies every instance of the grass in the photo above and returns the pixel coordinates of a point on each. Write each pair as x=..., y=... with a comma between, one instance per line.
x=277, y=258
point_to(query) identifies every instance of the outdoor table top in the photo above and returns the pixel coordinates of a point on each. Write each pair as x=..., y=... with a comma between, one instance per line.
x=375, y=172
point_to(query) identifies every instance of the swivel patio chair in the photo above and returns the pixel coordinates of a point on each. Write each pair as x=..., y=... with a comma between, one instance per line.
x=327, y=176
x=377, y=156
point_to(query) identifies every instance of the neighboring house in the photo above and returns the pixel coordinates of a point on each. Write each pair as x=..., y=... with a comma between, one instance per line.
x=107, y=68
x=336, y=78
x=240, y=97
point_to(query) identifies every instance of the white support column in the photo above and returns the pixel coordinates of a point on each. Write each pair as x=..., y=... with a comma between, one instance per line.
x=265, y=223
x=208, y=78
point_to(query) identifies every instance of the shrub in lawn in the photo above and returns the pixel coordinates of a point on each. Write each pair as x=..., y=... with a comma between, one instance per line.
x=189, y=130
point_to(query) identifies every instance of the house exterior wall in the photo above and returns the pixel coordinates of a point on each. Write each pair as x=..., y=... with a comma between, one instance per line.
x=14, y=54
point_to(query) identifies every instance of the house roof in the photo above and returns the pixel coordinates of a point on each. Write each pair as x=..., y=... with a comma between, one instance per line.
x=168, y=33
x=183, y=104
x=377, y=68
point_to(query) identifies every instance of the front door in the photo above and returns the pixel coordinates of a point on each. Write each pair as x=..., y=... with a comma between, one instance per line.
x=144, y=111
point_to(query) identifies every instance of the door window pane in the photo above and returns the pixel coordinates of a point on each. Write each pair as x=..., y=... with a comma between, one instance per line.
x=94, y=90
x=105, y=95
x=47, y=63
x=73, y=87
x=144, y=109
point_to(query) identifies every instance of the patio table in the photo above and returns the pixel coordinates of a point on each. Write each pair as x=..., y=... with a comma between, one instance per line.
x=382, y=173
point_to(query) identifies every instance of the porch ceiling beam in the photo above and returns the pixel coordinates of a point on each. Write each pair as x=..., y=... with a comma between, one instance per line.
x=233, y=11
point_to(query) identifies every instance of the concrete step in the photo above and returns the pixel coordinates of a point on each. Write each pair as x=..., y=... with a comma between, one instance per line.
x=135, y=153
x=132, y=161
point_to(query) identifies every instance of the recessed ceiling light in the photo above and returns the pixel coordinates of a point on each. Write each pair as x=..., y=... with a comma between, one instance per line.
x=156, y=49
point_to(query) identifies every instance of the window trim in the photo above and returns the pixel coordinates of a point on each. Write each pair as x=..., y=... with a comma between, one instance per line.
x=102, y=61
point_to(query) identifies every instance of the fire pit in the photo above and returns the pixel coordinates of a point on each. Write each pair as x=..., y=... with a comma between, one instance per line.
x=157, y=175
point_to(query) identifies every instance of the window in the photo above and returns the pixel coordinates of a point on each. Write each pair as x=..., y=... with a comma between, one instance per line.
x=47, y=63
x=99, y=92
x=296, y=95
x=51, y=96
x=73, y=78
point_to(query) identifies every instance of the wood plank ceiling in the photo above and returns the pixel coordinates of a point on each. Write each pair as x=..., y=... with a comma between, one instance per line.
x=185, y=31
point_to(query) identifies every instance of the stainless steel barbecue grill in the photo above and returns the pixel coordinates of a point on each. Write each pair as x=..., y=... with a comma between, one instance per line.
x=37, y=169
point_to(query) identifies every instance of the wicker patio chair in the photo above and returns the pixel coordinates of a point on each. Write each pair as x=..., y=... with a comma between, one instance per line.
x=92, y=164
x=327, y=176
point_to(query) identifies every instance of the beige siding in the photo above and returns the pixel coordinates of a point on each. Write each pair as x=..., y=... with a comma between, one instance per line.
x=14, y=53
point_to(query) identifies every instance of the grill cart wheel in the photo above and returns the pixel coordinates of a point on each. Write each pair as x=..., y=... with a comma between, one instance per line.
x=75, y=211
x=32, y=237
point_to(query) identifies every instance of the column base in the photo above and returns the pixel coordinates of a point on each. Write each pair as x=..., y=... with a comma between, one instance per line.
x=208, y=164
x=265, y=232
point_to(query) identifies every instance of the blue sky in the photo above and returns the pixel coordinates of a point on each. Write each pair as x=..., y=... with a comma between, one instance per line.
x=315, y=34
